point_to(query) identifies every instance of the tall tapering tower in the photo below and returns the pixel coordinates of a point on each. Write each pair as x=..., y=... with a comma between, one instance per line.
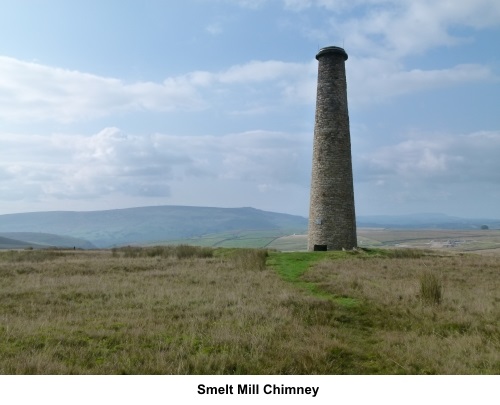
x=332, y=220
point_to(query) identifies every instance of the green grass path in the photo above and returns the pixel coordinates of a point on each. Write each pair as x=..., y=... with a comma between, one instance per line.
x=357, y=352
x=292, y=265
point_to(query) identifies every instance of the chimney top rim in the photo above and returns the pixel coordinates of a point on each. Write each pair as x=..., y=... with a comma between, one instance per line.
x=331, y=49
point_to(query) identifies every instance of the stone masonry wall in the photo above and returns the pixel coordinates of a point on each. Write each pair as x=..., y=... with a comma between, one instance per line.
x=332, y=220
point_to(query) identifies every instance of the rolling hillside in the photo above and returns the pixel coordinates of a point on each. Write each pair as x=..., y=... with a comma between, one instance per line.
x=205, y=226
x=149, y=224
x=43, y=240
x=425, y=221
x=8, y=243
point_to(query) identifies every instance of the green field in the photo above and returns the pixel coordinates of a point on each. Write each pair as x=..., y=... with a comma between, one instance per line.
x=239, y=239
x=193, y=310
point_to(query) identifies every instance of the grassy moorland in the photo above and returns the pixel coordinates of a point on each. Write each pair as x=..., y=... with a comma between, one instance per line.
x=195, y=310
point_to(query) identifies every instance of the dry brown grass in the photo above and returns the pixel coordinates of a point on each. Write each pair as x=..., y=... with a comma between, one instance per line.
x=90, y=312
x=104, y=313
x=431, y=314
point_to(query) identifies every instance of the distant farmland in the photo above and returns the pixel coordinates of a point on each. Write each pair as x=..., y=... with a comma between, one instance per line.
x=484, y=241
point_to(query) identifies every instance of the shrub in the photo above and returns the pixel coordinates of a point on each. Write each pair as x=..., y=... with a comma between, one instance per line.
x=30, y=255
x=180, y=251
x=131, y=252
x=250, y=259
x=188, y=251
x=431, y=288
x=408, y=253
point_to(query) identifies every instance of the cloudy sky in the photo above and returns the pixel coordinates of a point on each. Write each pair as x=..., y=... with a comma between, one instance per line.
x=113, y=104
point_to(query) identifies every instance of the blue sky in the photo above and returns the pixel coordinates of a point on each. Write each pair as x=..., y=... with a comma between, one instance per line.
x=112, y=104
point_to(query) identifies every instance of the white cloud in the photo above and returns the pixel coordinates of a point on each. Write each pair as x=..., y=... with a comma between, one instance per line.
x=249, y=4
x=37, y=92
x=378, y=35
x=393, y=28
x=261, y=71
x=434, y=158
x=372, y=80
x=431, y=172
x=43, y=93
x=112, y=162
x=34, y=92
x=214, y=28
x=298, y=5
x=259, y=168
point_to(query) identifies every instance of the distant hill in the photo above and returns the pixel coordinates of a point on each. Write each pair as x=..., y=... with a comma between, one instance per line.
x=148, y=224
x=425, y=221
x=44, y=240
x=8, y=243
x=176, y=224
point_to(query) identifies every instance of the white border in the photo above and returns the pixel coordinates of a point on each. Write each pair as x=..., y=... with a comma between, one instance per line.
x=123, y=390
